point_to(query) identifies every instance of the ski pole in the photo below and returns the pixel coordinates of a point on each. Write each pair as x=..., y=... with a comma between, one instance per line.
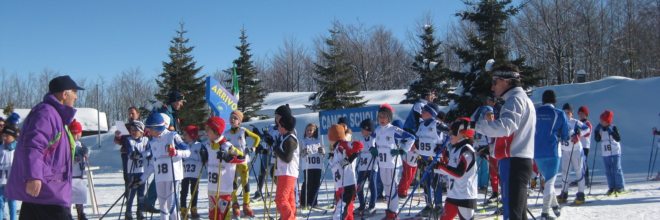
x=217, y=189
x=127, y=190
x=194, y=192
x=426, y=172
x=593, y=166
x=317, y=192
x=568, y=171
x=648, y=173
x=175, y=204
x=91, y=179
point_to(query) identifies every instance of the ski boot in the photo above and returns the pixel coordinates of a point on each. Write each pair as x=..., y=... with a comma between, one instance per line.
x=128, y=216
x=426, y=212
x=247, y=211
x=257, y=196
x=619, y=190
x=235, y=210
x=557, y=210
x=546, y=216
x=579, y=199
x=534, y=183
x=139, y=215
x=402, y=196
x=81, y=216
x=562, y=198
x=183, y=212
x=493, y=198
x=609, y=191
x=369, y=211
x=381, y=198
x=390, y=215
x=359, y=211
x=438, y=211
x=151, y=208
x=193, y=213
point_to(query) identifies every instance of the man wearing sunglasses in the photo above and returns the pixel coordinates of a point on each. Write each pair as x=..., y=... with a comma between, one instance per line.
x=514, y=139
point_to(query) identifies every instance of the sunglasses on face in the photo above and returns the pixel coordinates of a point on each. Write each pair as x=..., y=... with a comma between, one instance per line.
x=495, y=80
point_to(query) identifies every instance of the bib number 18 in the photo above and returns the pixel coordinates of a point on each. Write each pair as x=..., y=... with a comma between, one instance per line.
x=162, y=168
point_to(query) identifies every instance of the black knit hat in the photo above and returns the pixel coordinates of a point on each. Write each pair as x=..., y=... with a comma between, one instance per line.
x=10, y=130
x=175, y=96
x=283, y=110
x=288, y=122
x=441, y=115
x=368, y=125
x=343, y=120
x=549, y=96
x=568, y=107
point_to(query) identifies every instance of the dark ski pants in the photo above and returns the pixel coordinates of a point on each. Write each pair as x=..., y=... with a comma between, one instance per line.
x=515, y=174
x=370, y=176
x=189, y=183
x=310, y=187
x=586, y=168
x=34, y=211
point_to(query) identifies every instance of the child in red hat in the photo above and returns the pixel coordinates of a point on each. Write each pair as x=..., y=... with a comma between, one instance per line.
x=607, y=134
x=78, y=183
x=192, y=168
x=462, y=172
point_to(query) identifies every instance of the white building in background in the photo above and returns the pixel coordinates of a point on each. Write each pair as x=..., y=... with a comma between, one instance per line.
x=88, y=118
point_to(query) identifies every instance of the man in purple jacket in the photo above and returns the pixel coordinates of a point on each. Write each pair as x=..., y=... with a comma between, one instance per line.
x=41, y=173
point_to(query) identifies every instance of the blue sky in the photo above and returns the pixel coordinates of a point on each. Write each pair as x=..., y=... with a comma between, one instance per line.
x=88, y=38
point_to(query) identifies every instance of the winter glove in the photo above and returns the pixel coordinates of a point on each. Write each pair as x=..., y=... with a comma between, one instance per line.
x=330, y=156
x=224, y=156
x=269, y=139
x=248, y=150
x=204, y=155
x=421, y=161
x=576, y=138
x=483, y=152
x=84, y=151
x=136, y=183
x=171, y=151
x=564, y=143
x=373, y=151
x=344, y=162
x=321, y=150
x=655, y=132
x=396, y=152
x=135, y=155
x=304, y=152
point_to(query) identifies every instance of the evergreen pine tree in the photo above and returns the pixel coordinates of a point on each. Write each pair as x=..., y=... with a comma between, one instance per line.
x=474, y=81
x=8, y=109
x=180, y=74
x=433, y=75
x=250, y=91
x=337, y=85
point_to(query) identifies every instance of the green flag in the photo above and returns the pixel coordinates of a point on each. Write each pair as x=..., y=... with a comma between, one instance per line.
x=234, y=82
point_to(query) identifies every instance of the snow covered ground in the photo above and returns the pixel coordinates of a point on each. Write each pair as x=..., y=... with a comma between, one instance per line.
x=632, y=101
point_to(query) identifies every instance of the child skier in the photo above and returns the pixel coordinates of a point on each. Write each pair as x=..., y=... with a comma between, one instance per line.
x=237, y=137
x=389, y=156
x=343, y=169
x=167, y=150
x=572, y=156
x=312, y=154
x=462, y=172
x=607, y=134
x=431, y=139
x=286, y=167
x=222, y=170
x=271, y=137
x=367, y=169
x=585, y=140
x=136, y=146
x=192, y=167
x=9, y=134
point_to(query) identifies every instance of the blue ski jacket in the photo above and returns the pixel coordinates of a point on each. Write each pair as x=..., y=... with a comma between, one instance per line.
x=551, y=126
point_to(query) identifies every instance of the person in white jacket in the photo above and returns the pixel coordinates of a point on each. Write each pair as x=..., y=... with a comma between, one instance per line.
x=514, y=139
x=167, y=151
x=572, y=157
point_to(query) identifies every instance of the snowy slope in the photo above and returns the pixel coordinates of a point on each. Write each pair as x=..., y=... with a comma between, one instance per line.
x=635, y=108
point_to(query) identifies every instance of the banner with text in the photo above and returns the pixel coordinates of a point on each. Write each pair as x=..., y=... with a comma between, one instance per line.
x=355, y=117
x=221, y=101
